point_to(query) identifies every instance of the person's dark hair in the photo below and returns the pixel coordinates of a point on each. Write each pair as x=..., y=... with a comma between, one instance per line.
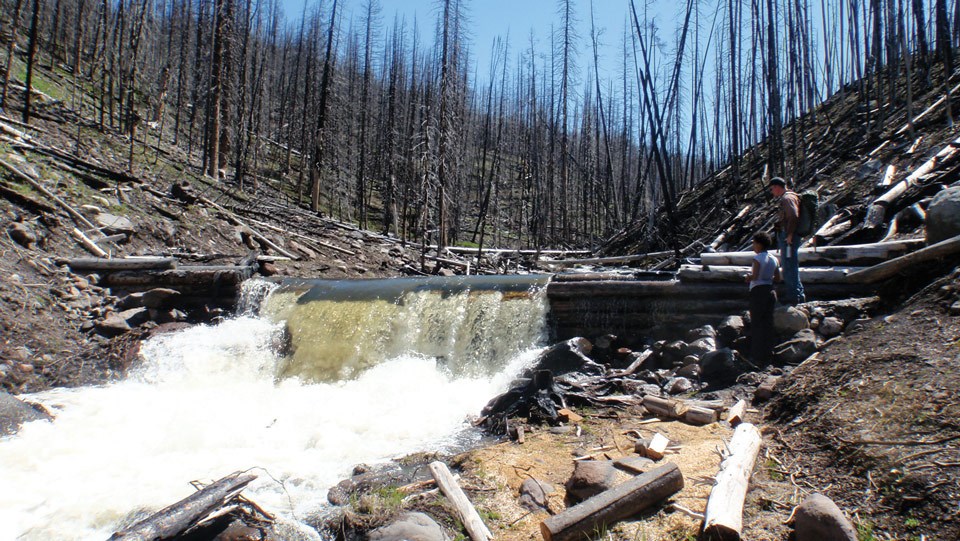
x=777, y=181
x=763, y=239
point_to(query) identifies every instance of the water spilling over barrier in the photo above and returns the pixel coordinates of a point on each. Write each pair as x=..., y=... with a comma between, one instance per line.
x=469, y=325
x=215, y=399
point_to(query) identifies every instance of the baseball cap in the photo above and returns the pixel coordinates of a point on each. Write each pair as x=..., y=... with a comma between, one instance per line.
x=777, y=181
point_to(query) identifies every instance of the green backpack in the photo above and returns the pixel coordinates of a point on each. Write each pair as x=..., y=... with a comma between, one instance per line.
x=809, y=204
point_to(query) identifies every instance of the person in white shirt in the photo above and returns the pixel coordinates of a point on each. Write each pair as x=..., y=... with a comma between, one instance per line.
x=763, y=298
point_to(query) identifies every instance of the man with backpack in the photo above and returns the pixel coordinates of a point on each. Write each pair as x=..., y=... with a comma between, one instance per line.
x=789, y=239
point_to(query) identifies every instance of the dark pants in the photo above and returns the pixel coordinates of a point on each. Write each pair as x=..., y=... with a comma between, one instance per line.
x=763, y=299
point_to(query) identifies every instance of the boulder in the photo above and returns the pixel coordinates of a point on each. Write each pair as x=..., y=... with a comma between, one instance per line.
x=707, y=331
x=819, y=519
x=797, y=349
x=788, y=320
x=534, y=494
x=943, y=216
x=717, y=362
x=160, y=297
x=673, y=352
x=111, y=224
x=679, y=385
x=830, y=327
x=591, y=477
x=730, y=329
x=569, y=356
x=689, y=371
x=700, y=346
x=22, y=234
x=409, y=527
x=14, y=412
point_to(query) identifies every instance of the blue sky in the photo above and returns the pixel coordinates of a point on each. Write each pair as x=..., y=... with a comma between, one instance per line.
x=491, y=18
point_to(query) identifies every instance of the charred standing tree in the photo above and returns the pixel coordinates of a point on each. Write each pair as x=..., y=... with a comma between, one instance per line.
x=775, y=136
x=217, y=78
x=31, y=59
x=14, y=27
x=316, y=168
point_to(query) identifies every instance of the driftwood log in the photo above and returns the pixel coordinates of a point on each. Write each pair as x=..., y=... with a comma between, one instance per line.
x=858, y=254
x=723, y=518
x=876, y=214
x=615, y=504
x=175, y=520
x=893, y=267
x=731, y=273
x=127, y=263
x=468, y=514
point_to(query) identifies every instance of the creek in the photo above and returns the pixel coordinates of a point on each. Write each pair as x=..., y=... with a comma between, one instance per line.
x=327, y=375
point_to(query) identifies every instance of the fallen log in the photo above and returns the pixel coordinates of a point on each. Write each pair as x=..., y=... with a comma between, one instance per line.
x=723, y=518
x=893, y=267
x=87, y=243
x=876, y=214
x=856, y=254
x=17, y=198
x=40, y=188
x=602, y=260
x=699, y=416
x=664, y=408
x=175, y=520
x=735, y=415
x=730, y=273
x=197, y=276
x=615, y=504
x=468, y=514
x=128, y=263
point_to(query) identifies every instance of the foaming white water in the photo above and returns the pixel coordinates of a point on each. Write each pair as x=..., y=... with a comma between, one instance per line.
x=206, y=404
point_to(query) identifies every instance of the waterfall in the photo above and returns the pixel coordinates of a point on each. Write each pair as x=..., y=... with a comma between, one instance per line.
x=210, y=400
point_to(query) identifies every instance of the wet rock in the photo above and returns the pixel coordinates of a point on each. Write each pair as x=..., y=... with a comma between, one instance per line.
x=14, y=412
x=238, y=531
x=830, y=327
x=591, y=477
x=409, y=527
x=797, y=349
x=569, y=356
x=943, y=216
x=534, y=494
x=788, y=320
x=819, y=519
x=730, y=329
x=717, y=362
x=160, y=297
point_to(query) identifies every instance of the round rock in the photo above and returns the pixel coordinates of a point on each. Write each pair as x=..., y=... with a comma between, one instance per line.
x=819, y=519
x=943, y=216
x=409, y=527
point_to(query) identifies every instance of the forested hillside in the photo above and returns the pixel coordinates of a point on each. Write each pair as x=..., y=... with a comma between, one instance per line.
x=354, y=114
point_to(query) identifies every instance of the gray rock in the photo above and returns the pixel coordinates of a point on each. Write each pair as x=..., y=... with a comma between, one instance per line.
x=633, y=464
x=112, y=325
x=133, y=300
x=707, y=331
x=534, y=494
x=819, y=519
x=160, y=297
x=679, y=385
x=591, y=477
x=112, y=224
x=690, y=371
x=831, y=326
x=717, y=362
x=730, y=329
x=14, y=412
x=869, y=169
x=689, y=359
x=700, y=346
x=797, y=349
x=409, y=527
x=857, y=325
x=788, y=320
x=943, y=216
